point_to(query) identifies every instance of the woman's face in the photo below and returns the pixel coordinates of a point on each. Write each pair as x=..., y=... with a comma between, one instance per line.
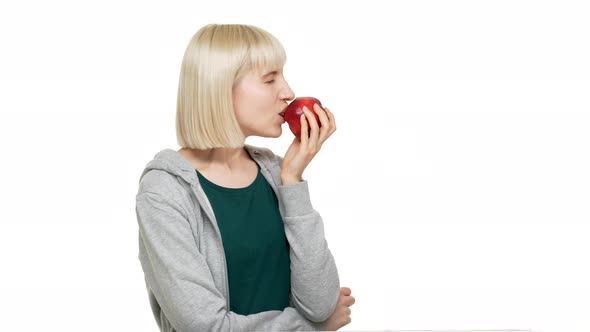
x=258, y=99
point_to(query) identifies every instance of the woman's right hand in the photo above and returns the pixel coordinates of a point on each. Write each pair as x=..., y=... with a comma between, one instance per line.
x=305, y=147
x=341, y=316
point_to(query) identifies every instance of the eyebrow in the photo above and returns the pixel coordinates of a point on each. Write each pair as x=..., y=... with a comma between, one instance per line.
x=274, y=72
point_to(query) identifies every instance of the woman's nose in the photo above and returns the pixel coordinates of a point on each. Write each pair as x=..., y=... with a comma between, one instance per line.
x=288, y=94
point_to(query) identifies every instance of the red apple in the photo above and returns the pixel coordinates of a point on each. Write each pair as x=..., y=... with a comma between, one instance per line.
x=294, y=110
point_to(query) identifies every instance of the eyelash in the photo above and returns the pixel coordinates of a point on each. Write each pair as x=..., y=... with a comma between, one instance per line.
x=270, y=81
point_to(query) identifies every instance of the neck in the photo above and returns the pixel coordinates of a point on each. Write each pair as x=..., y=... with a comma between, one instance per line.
x=228, y=158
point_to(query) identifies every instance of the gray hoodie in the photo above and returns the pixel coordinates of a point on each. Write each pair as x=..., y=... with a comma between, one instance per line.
x=183, y=260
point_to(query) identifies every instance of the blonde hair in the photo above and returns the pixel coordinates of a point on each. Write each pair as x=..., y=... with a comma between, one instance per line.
x=215, y=60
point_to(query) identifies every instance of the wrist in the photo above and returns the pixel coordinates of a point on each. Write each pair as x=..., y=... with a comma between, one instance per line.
x=290, y=179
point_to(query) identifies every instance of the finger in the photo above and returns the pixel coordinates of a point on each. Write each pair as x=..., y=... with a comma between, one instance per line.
x=349, y=300
x=345, y=291
x=313, y=138
x=324, y=120
x=332, y=119
x=304, y=131
x=312, y=121
x=326, y=127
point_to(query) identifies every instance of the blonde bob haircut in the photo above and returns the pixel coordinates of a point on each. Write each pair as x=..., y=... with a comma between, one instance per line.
x=215, y=60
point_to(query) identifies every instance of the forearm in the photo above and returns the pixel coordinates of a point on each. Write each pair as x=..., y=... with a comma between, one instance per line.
x=314, y=277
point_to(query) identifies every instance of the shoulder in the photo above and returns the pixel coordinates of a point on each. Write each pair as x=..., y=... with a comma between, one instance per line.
x=156, y=180
x=163, y=191
x=162, y=183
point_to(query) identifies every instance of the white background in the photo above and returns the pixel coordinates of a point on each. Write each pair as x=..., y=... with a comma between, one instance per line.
x=455, y=193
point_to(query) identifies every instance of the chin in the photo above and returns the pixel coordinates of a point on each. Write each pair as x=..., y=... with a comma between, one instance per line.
x=268, y=132
x=274, y=133
x=277, y=134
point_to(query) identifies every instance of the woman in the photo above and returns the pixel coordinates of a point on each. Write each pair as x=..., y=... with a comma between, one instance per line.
x=228, y=238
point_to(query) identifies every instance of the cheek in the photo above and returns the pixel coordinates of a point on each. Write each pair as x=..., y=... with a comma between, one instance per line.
x=249, y=118
x=243, y=108
x=253, y=107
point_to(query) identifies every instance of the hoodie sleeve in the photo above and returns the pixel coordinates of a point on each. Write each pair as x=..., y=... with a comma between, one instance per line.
x=315, y=285
x=180, y=279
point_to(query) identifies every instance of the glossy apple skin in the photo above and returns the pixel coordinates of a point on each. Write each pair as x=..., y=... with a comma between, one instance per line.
x=294, y=110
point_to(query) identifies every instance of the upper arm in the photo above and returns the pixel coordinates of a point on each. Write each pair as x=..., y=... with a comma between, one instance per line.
x=175, y=270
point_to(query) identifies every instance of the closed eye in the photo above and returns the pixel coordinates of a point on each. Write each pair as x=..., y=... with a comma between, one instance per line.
x=271, y=81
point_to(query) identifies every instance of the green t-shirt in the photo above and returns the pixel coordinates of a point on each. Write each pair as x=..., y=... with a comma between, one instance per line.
x=256, y=248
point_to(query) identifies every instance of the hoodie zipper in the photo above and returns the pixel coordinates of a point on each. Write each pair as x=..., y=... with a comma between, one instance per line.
x=218, y=232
